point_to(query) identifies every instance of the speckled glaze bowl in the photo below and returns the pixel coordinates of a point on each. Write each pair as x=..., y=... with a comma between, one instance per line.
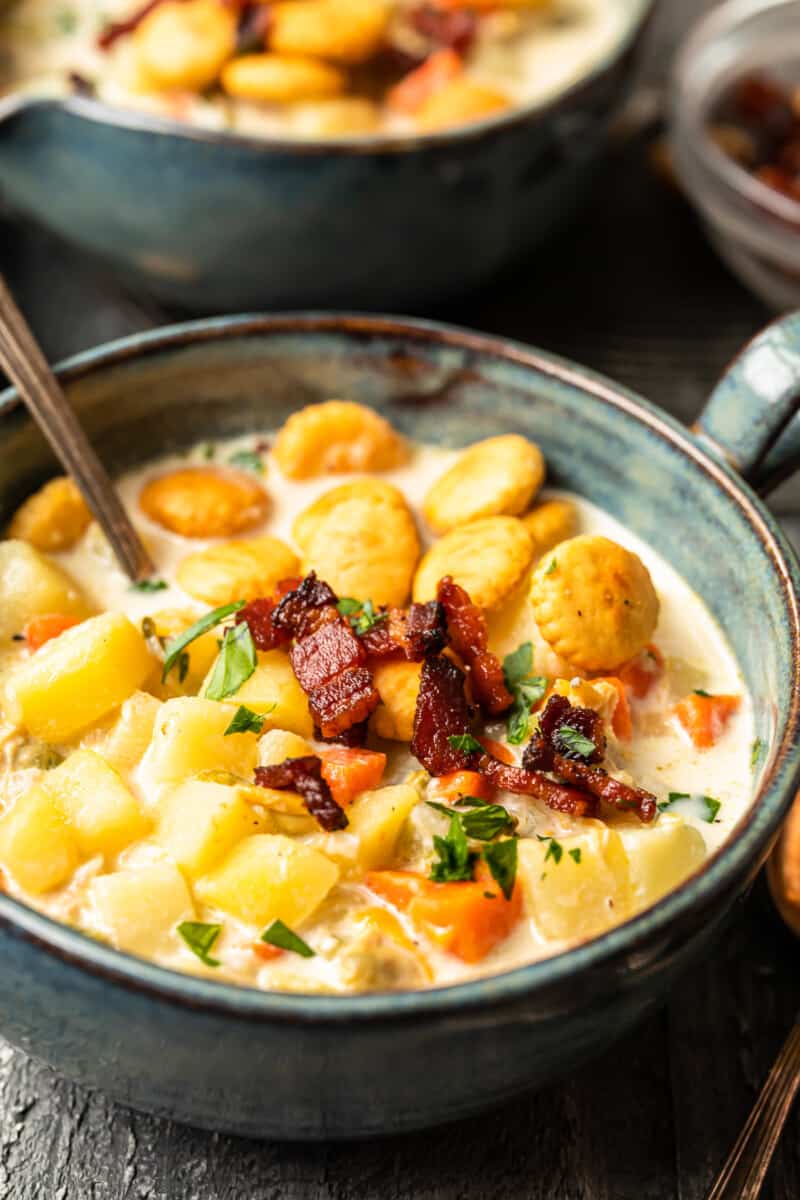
x=215, y=222
x=286, y=1066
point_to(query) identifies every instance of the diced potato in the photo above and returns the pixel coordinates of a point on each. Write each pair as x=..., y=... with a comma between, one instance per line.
x=31, y=585
x=79, y=677
x=660, y=856
x=201, y=654
x=37, y=846
x=132, y=731
x=200, y=822
x=277, y=745
x=377, y=819
x=581, y=894
x=189, y=738
x=138, y=909
x=269, y=877
x=54, y=518
x=103, y=813
x=397, y=684
x=273, y=691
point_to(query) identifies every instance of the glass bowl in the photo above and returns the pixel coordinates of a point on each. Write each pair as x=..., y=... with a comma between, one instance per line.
x=755, y=229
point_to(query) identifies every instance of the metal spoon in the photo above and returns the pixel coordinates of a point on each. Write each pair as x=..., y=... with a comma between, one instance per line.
x=27, y=368
x=743, y=1173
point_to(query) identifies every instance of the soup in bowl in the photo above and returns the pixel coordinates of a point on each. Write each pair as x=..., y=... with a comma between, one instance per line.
x=307, y=863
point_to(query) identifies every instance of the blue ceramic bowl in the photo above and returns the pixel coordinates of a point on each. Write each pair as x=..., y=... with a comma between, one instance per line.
x=321, y=1067
x=216, y=222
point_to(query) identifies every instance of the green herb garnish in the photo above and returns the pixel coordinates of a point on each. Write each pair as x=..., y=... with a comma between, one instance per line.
x=465, y=742
x=703, y=808
x=701, y=692
x=554, y=850
x=183, y=665
x=248, y=460
x=200, y=939
x=456, y=861
x=484, y=822
x=526, y=689
x=552, y=566
x=149, y=585
x=235, y=663
x=575, y=741
x=209, y=450
x=756, y=750
x=501, y=859
x=361, y=614
x=713, y=806
x=178, y=644
x=281, y=935
x=244, y=720
x=575, y=854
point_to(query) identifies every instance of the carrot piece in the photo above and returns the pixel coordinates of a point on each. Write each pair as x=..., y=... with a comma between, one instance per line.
x=467, y=919
x=418, y=85
x=267, y=952
x=621, y=721
x=350, y=771
x=386, y=923
x=497, y=750
x=447, y=788
x=643, y=672
x=704, y=717
x=42, y=629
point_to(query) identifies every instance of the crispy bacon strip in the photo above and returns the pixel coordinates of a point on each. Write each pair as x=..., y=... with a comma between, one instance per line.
x=114, y=30
x=456, y=28
x=466, y=626
x=257, y=615
x=306, y=607
x=353, y=737
x=601, y=784
x=414, y=633
x=547, y=742
x=442, y=712
x=304, y=775
x=524, y=782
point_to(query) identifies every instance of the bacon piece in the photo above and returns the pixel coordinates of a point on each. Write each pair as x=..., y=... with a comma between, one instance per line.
x=304, y=775
x=257, y=615
x=305, y=608
x=346, y=700
x=455, y=29
x=466, y=626
x=525, y=782
x=414, y=634
x=114, y=30
x=442, y=712
x=547, y=742
x=353, y=737
x=601, y=784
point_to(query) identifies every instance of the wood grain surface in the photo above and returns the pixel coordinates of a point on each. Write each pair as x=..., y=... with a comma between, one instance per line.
x=635, y=293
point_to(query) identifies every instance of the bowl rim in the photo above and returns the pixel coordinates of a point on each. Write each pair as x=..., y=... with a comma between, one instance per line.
x=738, y=857
x=103, y=113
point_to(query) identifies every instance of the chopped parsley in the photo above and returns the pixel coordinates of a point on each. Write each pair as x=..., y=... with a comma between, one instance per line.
x=465, y=742
x=552, y=567
x=183, y=665
x=713, y=806
x=554, y=849
x=177, y=645
x=455, y=861
x=484, y=822
x=671, y=798
x=703, y=808
x=501, y=859
x=248, y=460
x=575, y=741
x=575, y=854
x=701, y=692
x=235, y=664
x=149, y=585
x=200, y=939
x=527, y=690
x=361, y=614
x=284, y=938
x=244, y=720
x=756, y=750
x=209, y=450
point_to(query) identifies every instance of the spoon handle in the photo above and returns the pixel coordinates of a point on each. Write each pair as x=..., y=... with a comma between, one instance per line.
x=743, y=1173
x=29, y=371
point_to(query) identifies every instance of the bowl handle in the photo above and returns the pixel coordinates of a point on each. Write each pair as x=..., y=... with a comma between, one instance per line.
x=747, y=421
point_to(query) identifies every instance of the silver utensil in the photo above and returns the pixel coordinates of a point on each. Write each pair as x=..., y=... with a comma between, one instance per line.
x=25, y=364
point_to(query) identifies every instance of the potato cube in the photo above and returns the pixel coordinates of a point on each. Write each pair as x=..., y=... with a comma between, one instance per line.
x=576, y=886
x=377, y=819
x=132, y=731
x=200, y=822
x=189, y=738
x=103, y=813
x=37, y=846
x=273, y=691
x=79, y=677
x=138, y=909
x=31, y=585
x=269, y=877
x=278, y=744
x=660, y=856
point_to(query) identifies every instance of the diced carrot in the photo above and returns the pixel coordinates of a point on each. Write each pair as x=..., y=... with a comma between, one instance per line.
x=643, y=672
x=386, y=923
x=621, y=721
x=42, y=629
x=350, y=771
x=467, y=919
x=448, y=788
x=267, y=952
x=418, y=85
x=704, y=717
x=497, y=750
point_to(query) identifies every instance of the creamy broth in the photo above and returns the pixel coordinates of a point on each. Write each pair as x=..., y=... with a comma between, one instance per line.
x=349, y=954
x=524, y=56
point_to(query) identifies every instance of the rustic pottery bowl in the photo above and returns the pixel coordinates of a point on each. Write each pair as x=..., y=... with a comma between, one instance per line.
x=218, y=222
x=289, y=1066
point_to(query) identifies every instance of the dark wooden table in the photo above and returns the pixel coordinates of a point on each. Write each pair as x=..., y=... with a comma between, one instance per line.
x=635, y=293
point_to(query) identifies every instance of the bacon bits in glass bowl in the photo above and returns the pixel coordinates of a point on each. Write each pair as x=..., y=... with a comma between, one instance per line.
x=735, y=128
